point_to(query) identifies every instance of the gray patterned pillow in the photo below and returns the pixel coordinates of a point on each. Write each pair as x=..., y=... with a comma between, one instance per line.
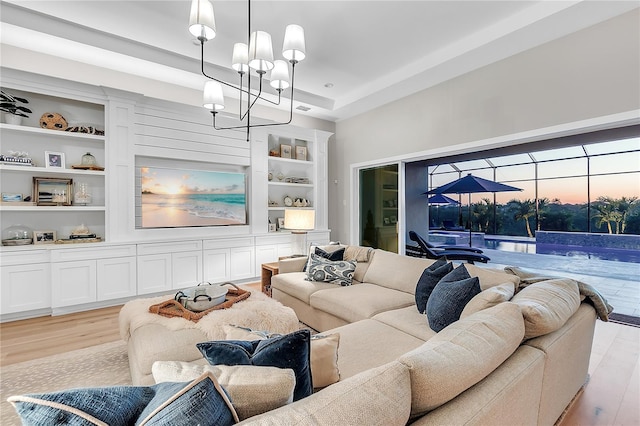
x=334, y=272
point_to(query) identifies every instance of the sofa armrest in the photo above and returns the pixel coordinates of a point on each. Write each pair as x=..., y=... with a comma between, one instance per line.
x=295, y=264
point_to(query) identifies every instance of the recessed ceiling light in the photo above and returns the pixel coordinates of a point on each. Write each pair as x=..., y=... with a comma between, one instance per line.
x=328, y=85
x=303, y=108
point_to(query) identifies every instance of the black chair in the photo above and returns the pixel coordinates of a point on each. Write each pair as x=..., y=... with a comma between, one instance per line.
x=439, y=248
x=468, y=256
x=450, y=226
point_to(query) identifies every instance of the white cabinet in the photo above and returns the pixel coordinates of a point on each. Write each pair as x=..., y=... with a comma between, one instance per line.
x=242, y=261
x=81, y=275
x=229, y=259
x=169, y=266
x=217, y=265
x=25, y=283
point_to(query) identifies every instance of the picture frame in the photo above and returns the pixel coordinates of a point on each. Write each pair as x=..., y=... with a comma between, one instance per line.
x=281, y=223
x=394, y=219
x=11, y=197
x=52, y=191
x=301, y=153
x=54, y=160
x=285, y=151
x=44, y=237
x=272, y=227
x=386, y=221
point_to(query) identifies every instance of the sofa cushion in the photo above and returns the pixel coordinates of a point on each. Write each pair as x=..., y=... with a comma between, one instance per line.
x=449, y=298
x=324, y=352
x=245, y=384
x=466, y=351
x=358, y=302
x=295, y=285
x=547, y=305
x=335, y=272
x=428, y=280
x=267, y=352
x=394, y=271
x=160, y=404
x=488, y=298
x=408, y=320
x=490, y=277
x=379, y=396
x=333, y=255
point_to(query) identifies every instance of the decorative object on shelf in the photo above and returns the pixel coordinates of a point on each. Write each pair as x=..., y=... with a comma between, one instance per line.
x=285, y=151
x=80, y=234
x=59, y=196
x=88, y=162
x=13, y=112
x=272, y=227
x=90, y=130
x=53, y=121
x=280, y=176
x=288, y=201
x=17, y=235
x=54, y=160
x=300, y=202
x=257, y=54
x=44, y=190
x=300, y=180
x=274, y=153
x=44, y=237
x=270, y=176
x=273, y=203
x=82, y=195
x=10, y=197
x=299, y=222
x=280, y=223
x=16, y=158
x=301, y=153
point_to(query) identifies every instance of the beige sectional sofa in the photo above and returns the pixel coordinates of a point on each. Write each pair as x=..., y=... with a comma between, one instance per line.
x=518, y=362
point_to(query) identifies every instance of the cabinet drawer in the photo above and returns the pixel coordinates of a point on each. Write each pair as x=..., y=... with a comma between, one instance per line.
x=90, y=253
x=23, y=257
x=228, y=243
x=172, y=247
x=266, y=240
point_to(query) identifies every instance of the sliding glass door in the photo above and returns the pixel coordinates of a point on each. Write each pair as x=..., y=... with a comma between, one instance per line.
x=379, y=207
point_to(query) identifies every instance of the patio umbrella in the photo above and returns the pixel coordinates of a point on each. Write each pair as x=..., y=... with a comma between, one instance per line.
x=440, y=200
x=470, y=185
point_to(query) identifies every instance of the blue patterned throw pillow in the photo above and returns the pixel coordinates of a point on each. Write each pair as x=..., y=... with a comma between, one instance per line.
x=202, y=401
x=334, y=272
x=292, y=351
x=450, y=296
x=333, y=255
x=428, y=280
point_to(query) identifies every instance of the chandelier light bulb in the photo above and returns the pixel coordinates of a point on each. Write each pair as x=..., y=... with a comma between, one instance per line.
x=240, y=58
x=201, y=20
x=293, y=48
x=213, y=98
x=260, y=51
x=280, y=75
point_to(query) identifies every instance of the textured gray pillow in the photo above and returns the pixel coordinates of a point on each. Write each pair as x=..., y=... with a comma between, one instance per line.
x=338, y=272
x=449, y=297
x=428, y=280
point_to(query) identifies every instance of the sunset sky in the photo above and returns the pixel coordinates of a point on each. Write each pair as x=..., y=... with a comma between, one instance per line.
x=172, y=181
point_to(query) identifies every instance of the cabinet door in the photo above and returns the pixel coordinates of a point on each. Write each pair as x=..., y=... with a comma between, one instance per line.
x=242, y=263
x=73, y=283
x=154, y=273
x=217, y=265
x=116, y=278
x=265, y=254
x=285, y=250
x=25, y=288
x=186, y=269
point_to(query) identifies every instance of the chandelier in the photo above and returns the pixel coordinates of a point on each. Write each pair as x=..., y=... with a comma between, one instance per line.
x=256, y=55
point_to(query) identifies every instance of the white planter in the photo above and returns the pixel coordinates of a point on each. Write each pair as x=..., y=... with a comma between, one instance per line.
x=13, y=119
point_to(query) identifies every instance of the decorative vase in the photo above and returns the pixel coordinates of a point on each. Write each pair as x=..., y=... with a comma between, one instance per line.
x=82, y=195
x=88, y=160
x=16, y=120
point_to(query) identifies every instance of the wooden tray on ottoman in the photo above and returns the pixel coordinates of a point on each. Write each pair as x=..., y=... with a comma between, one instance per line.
x=173, y=308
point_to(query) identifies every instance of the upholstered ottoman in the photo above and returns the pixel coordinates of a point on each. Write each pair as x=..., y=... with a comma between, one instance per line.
x=152, y=337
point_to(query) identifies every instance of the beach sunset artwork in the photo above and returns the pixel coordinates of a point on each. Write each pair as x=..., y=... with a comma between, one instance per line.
x=181, y=198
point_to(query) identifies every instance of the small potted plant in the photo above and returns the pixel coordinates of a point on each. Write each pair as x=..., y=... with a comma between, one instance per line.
x=13, y=112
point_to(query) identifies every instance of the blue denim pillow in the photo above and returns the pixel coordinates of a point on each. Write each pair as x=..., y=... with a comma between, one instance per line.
x=428, y=280
x=450, y=296
x=202, y=401
x=292, y=351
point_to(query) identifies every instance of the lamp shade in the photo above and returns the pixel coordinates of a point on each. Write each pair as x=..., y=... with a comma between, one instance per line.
x=201, y=20
x=280, y=75
x=298, y=220
x=293, y=48
x=260, y=51
x=213, y=98
x=240, y=59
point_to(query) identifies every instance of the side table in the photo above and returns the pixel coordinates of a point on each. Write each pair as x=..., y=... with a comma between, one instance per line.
x=268, y=270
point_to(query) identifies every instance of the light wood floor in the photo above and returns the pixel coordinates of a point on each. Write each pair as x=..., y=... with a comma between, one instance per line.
x=610, y=398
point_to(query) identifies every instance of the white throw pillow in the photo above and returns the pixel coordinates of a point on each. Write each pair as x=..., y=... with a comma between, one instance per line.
x=488, y=298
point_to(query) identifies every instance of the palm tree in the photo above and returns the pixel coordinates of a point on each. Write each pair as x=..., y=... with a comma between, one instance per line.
x=482, y=212
x=624, y=206
x=606, y=212
x=523, y=210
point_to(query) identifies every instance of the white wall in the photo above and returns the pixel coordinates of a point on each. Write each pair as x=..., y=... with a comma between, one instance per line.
x=589, y=74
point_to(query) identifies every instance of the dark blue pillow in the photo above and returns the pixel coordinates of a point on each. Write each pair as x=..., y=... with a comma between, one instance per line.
x=289, y=351
x=428, y=281
x=161, y=404
x=334, y=256
x=450, y=296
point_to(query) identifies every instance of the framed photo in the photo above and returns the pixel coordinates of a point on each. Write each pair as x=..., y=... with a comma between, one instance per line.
x=301, y=153
x=285, y=151
x=52, y=191
x=10, y=197
x=386, y=221
x=44, y=237
x=394, y=219
x=54, y=160
x=272, y=227
x=281, y=223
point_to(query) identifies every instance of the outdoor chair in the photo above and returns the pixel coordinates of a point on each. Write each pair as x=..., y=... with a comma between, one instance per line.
x=450, y=226
x=439, y=248
x=468, y=256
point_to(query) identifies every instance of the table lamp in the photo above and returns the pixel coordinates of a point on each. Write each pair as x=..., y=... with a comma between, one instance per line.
x=299, y=221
